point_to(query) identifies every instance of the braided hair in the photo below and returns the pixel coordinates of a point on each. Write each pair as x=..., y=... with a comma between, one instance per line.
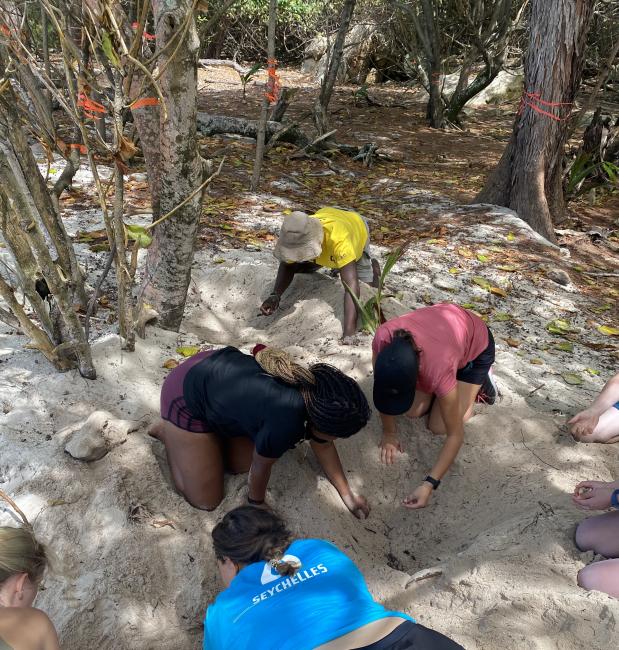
x=335, y=403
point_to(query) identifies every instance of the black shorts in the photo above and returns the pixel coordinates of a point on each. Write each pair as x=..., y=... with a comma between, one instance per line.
x=412, y=636
x=476, y=371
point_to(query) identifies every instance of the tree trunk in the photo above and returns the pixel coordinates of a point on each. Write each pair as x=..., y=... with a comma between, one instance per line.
x=169, y=258
x=528, y=176
x=269, y=90
x=321, y=105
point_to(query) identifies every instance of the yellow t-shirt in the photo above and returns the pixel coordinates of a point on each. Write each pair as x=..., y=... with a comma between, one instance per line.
x=345, y=237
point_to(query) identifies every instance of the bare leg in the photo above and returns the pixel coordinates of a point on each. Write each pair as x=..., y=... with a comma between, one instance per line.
x=421, y=405
x=466, y=398
x=238, y=454
x=599, y=534
x=196, y=463
x=601, y=576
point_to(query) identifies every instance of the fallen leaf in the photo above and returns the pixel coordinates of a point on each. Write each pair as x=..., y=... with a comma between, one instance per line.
x=565, y=346
x=592, y=371
x=464, y=252
x=482, y=282
x=507, y=267
x=454, y=271
x=219, y=260
x=510, y=236
x=601, y=309
x=188, y=350
x=559, y=326
x=57, y=502
x=497, y=291
x=513, y=343
x=501, y=316
x=468, y=305
x=608, y=330
x=160, y=523
x=537, y=362
x=572, y=378
x=170, y=363
x=482, y=258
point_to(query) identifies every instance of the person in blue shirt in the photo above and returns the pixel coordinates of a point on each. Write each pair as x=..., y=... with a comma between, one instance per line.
x=298, y=595
x=226, y=410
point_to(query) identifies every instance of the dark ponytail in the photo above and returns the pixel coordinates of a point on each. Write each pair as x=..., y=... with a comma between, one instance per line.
x=250, y=534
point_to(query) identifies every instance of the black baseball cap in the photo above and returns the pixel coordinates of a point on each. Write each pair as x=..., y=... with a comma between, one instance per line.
x=395, y=377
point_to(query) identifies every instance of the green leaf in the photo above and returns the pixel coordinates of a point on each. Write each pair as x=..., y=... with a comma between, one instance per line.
x=108, y=49
x=565, y=346
x=370, y=319
x=139, y=234
x=188, y=350
x=510, y=236
x=501, y=316
x=482, y=282
x=609, y=331
x=482, y=258
x=560, y=327
x=572, y=378
x=592, y=371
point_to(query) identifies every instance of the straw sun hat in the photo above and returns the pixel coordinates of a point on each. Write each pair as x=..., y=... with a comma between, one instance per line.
x=300, y=238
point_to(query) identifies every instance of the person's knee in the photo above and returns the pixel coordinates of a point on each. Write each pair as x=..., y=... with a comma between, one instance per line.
x=584, y=537
x=203, y=503
x=589, y=577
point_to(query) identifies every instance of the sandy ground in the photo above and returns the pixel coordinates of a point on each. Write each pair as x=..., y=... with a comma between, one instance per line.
x=133, y=567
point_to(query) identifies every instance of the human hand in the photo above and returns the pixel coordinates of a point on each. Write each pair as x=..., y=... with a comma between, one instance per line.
x=270, y=304
x=583, y=423
x=593, y=495
x=390, y=446
x=419, y=498
x=357, y=504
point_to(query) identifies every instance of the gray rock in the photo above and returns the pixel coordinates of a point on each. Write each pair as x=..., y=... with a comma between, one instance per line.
x=88, y=442
x=559, y=276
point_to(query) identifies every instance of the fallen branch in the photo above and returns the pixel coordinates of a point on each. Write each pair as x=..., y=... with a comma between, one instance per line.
x=226, y=63
x=95, y=295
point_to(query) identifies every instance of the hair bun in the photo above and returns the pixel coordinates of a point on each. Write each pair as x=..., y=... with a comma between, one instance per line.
x=286, y=567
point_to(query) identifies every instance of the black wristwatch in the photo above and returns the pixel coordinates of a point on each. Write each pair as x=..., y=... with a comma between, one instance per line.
x=432, y=481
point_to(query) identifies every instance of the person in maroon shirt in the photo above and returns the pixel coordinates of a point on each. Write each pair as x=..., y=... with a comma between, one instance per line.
x=434, y=360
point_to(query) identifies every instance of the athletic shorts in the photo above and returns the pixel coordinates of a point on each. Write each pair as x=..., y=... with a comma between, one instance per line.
x=616, y=405
x=412, y=636
x=476, y=371
x=173, y=407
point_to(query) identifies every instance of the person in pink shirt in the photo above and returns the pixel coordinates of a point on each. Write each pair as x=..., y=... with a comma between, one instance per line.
x=434, y=360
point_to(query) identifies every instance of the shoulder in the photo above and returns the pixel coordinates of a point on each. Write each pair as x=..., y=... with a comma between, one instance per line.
x=36, y=628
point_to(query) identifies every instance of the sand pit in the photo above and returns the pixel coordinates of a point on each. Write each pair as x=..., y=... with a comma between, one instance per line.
x=133, y=564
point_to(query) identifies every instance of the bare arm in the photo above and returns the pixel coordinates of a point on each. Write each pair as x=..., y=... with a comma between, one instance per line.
x=285, y=275
x=329, y=460
x=259, y=474
x=454, y=424
x=348, y=274
x=608, y=396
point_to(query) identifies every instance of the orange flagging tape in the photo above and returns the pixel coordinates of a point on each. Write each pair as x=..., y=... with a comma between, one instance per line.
x=144, y=101
x=273, y=85
x=535, y=102
x=146, y=35
x=90, y=107
x=81, y=147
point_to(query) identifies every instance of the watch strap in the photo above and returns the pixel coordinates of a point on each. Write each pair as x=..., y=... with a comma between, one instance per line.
x=614, y=499
x=434, y=482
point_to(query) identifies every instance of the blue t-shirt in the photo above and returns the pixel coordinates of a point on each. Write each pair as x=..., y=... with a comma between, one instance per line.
x=262, y=610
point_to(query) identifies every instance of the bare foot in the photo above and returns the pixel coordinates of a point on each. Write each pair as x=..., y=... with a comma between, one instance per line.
x=156, y=430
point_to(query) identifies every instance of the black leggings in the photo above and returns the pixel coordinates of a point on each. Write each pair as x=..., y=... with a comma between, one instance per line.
x=412, y=636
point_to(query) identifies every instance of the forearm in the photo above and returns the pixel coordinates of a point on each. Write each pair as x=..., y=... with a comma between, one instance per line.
x=285, y=275
x=608, y=396
x=348, y=274
x=258, y=481
x=389, y=426
x=329, y=460
x=448, y=454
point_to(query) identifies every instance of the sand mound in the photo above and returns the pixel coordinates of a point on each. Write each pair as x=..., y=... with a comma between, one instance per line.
x=134, y=568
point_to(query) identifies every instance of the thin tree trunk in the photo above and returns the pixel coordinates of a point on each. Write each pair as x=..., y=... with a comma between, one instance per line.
x=321, y=105
x=528, y=176
x=262, y=123
x=169, y=258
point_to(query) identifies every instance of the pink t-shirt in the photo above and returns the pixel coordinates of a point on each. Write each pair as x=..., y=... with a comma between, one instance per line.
x=447, y=337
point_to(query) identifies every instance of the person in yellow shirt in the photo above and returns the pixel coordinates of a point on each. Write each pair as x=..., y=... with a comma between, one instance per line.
x=334, y=238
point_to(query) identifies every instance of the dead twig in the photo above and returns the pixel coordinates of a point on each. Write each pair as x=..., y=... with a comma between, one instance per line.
x=536, y=456
x=95, y=295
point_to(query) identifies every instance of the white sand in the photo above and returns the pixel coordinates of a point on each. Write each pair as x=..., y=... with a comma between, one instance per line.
x=134, y=568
